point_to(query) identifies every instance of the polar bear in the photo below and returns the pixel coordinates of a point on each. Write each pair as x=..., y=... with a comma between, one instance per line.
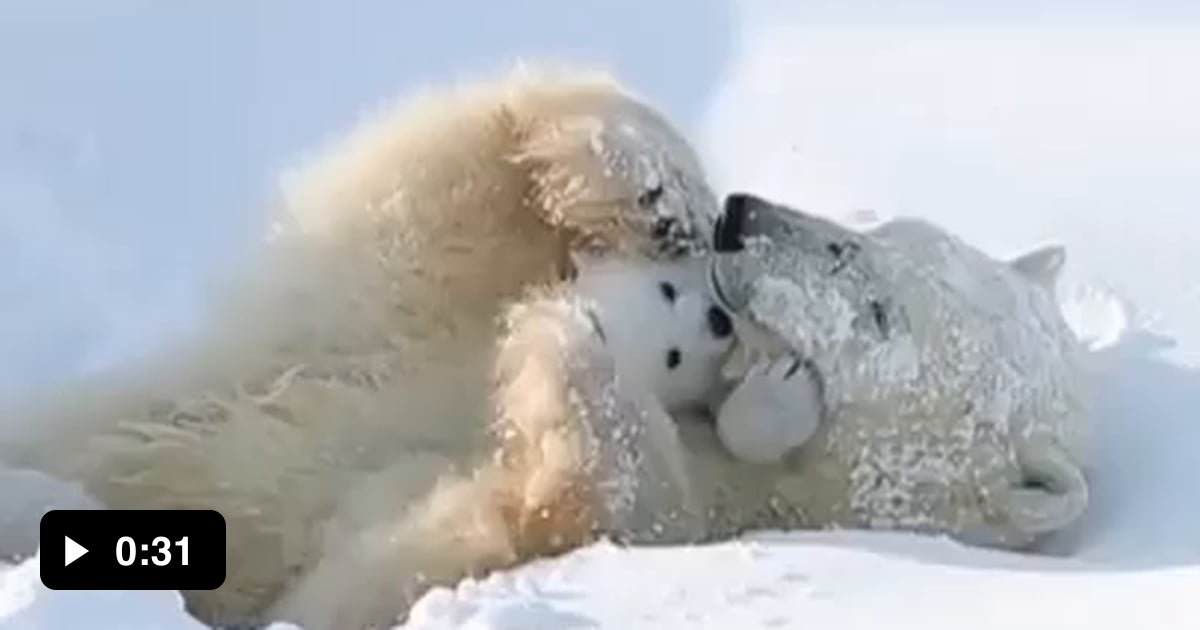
x=952, y=391
x=362, y=340
x=592, y=377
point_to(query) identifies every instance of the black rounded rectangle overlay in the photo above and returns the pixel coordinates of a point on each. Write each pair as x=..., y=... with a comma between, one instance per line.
x=133, y=549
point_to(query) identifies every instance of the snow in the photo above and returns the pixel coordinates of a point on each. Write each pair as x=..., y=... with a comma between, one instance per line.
x=1009, y=126
x=808, y=581
x=27, y=605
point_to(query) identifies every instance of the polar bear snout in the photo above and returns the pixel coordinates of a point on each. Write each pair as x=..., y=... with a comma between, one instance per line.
x=727, y=235
x=745, y=215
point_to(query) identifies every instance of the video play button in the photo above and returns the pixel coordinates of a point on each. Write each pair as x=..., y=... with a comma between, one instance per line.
x=125, y=550
x=72, y=551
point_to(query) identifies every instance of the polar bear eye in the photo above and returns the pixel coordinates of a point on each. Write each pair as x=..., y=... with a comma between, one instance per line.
x=849, y=248
x=842, y=253
x=674, y=356
x=668, y=291
x=650, y=196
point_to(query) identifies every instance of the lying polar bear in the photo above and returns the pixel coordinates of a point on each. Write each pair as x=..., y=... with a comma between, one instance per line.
x=951, y=394
x=360, y=340
x=600, y=383
x=590, y=379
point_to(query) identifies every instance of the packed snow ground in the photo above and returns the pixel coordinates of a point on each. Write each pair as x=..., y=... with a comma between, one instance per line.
x=1079, y=129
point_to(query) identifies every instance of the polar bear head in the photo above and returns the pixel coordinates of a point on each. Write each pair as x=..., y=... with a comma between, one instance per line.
x=848, y=291
x=830, y=288
x=615, y=174
x=665, y=333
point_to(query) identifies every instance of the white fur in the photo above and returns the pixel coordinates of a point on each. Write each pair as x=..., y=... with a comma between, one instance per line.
x=590, y=447
x=775, y=409
x=641, y=326
x=349, y=368
x=955, y=393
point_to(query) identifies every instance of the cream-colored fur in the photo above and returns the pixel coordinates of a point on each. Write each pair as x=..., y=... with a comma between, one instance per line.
x=350, y=366
x=588, y=448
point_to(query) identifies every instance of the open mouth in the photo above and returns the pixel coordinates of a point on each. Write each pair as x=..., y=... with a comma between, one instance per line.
x=721, y=297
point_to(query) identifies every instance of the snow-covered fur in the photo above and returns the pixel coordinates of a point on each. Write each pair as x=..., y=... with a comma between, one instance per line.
x=953, y=391
x=589, y=379
x=352, y=364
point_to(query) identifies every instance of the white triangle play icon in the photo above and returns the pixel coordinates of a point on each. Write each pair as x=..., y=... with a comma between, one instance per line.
x=73, y=551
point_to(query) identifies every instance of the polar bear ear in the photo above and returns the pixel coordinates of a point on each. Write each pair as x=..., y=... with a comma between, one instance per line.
x=1042, y=265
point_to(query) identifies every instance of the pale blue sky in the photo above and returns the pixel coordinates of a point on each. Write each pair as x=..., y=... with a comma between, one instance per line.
x=139, y=138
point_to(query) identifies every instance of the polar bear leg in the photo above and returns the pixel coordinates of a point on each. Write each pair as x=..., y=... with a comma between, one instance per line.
x=1060, y=495
x=637, y=466
x=1052, y=497
x=371, y=577
x=593, y=445
x=593, y=459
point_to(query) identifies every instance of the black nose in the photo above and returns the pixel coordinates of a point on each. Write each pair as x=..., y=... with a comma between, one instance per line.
x=727, y=235
x=719, y=322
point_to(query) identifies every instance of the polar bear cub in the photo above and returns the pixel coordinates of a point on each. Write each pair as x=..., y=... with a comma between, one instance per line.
x=953, y=393
x=663, y=330
x=591, y=376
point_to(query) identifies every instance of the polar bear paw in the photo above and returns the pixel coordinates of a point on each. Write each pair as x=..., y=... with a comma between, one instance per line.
x=776, y=408
x=1055, y=493
x=1052, y=497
